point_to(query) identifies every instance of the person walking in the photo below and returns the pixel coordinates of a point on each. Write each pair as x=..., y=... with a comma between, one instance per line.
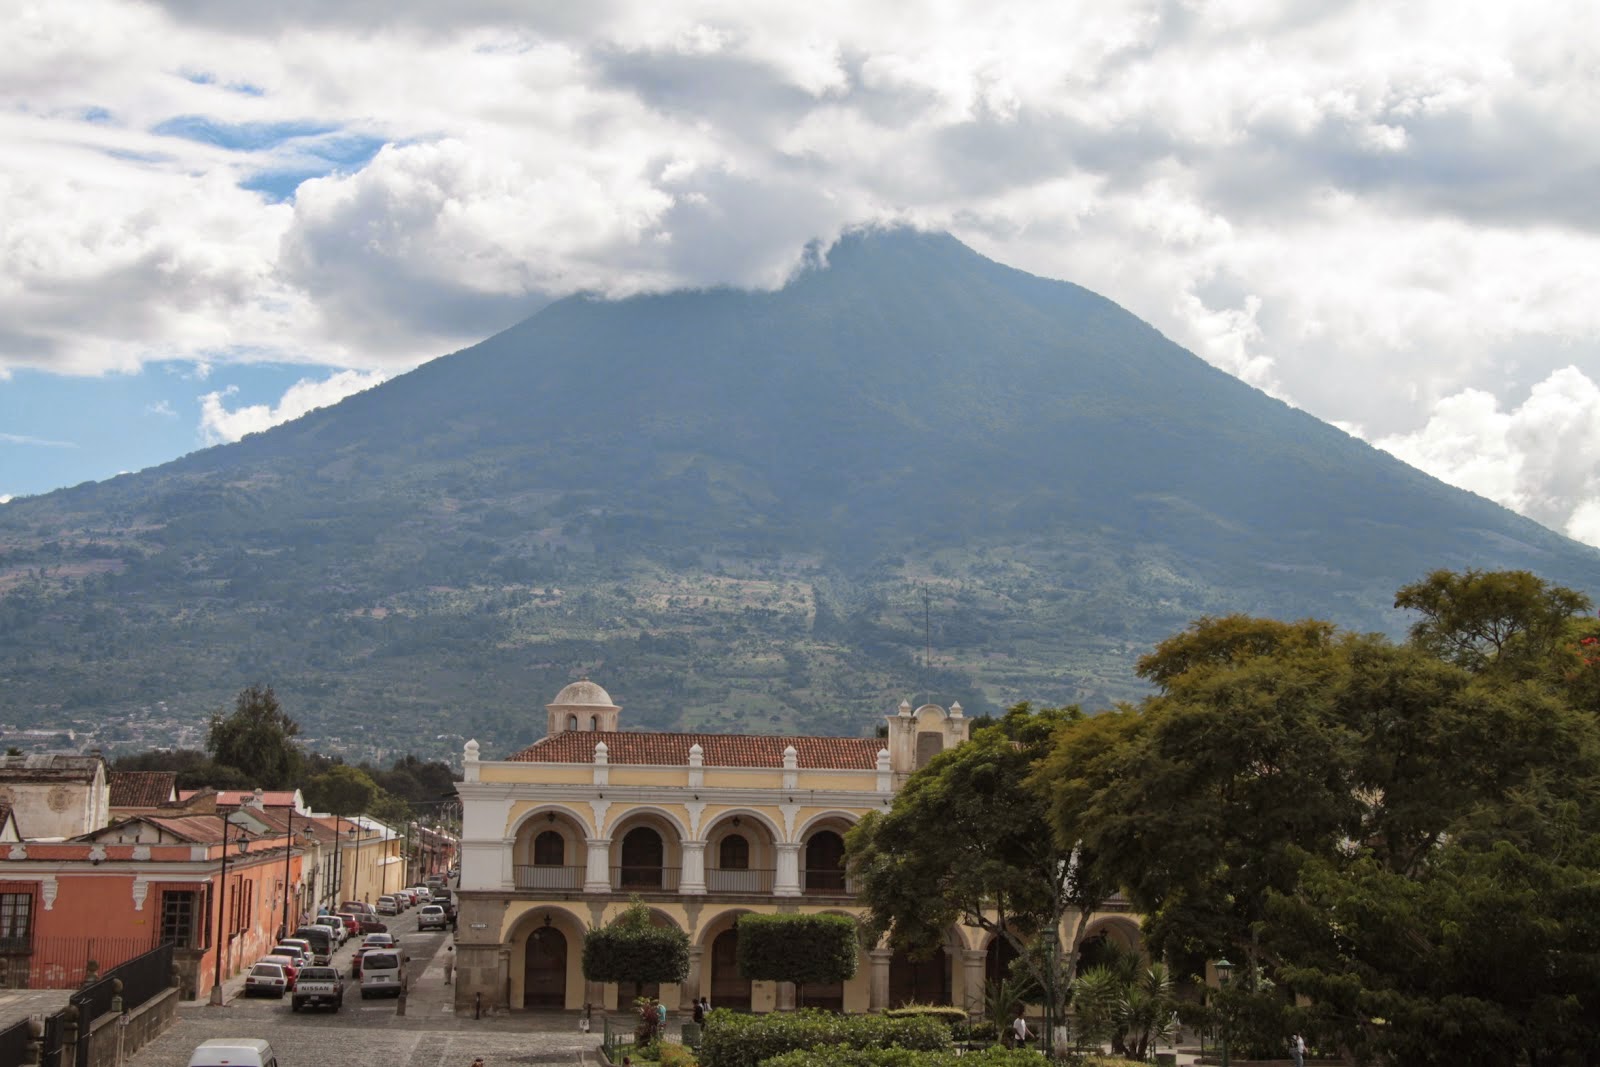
x=1297, y=1049
x=699, y=1013
x=1019, y=1031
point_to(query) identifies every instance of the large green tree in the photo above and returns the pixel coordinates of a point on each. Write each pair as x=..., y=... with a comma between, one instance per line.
x=632, y=949
x=966, y=841
x=258, y=739
x=803, y=949
x=1363, y=822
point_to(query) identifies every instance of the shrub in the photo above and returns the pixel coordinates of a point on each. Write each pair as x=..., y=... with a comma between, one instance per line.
x=630, y=949
x=946, y=1014
x=900, y=1057
x=735, y=1040
x=803, y=949
x=677, y=1056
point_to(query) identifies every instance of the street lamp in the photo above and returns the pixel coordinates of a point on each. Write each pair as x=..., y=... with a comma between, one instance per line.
x=288, y=850
x=222, y=900
x=355, y=878
x=1224, y=976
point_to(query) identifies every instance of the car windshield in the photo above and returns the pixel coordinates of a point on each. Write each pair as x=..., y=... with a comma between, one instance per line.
x=319, y=974
x=377, y=961
x=267, y=970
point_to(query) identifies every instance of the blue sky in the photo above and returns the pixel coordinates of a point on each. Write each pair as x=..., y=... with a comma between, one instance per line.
x=61, y=430
x=1383, y=214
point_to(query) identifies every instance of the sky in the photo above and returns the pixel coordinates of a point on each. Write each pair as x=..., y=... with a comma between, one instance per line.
x=217, y=215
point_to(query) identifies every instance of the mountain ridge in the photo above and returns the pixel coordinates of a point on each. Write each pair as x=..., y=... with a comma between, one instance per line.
x=729, y=503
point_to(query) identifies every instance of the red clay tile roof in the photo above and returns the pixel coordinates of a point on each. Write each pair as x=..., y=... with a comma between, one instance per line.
x=141, y=789
x=720, y=750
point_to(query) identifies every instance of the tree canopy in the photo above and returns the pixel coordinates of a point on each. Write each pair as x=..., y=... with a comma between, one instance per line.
x=1409, y=834
x=631, y=948
x=258, y=739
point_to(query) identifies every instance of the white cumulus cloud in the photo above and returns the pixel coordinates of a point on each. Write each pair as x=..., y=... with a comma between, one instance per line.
x=220, y=424
x=1541, y=457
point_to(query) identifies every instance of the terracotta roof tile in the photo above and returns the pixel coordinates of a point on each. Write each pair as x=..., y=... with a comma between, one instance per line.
x=141, y=789
x=720, y=750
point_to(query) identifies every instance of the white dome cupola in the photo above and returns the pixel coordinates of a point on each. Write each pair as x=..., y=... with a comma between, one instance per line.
x=583, y=705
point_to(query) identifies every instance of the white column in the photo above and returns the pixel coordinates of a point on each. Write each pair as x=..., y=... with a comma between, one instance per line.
x=972, y=964
x=597, y=876
x=693, y=881
x=787, y=883
x=878, y=993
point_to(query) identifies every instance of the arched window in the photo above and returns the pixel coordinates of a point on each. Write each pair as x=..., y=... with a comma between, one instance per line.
x=929, y=745
x=572, y=722
x=594, y=723
x=549, y=850
x=825, y=863
x=734, y=853
x=642, y=855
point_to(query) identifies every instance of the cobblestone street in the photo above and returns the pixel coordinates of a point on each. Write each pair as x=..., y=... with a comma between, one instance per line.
x=370, y=1033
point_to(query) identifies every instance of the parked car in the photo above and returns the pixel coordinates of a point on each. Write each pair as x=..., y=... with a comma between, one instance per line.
x=335, y=927
x=388, y=906
x=293, y=953
x=290, y=965
x=266, y=980
x=318, y=986
x=314, y=954
x=352, y=925
x=367, y=924
x=432, y=917
x=382, y=973
x=378, y=941
x=233, y=1052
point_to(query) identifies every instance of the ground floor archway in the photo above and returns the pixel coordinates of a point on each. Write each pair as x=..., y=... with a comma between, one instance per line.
x=544, y=976
x=924, y=981
x=729, y=989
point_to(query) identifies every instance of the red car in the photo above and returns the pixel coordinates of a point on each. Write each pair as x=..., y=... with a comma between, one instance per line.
x=352, y=925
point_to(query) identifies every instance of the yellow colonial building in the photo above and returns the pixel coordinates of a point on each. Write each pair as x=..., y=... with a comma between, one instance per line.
x=704, y=828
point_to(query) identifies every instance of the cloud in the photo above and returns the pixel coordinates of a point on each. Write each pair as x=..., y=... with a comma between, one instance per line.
x=40, y=442
x=5, y=498
x=1541, y=458
x=1370, y=210
x=219, y=424
x=162, y=408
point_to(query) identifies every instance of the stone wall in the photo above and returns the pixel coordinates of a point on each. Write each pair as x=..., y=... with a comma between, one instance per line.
x=112, y=1040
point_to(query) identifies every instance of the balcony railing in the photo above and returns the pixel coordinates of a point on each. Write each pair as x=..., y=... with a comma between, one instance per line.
x=825, y=882
x=659, y=879
x=747, y=881
x=547, y=877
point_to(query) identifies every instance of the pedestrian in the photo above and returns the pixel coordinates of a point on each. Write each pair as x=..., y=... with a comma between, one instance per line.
x=705, y=1006
x=699, y=1013
x=1019, y=1031
x=477, y=1061
x=1297, y=1049
x=449, y=963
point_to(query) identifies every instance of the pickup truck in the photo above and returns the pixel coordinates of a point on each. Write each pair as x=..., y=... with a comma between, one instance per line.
x=318, y=986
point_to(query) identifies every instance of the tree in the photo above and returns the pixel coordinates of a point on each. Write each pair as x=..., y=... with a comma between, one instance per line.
x=341, y=789
x=1511, y=621
x=803, y=949
x=631, y=949
x=966, y=842
x=258, y=739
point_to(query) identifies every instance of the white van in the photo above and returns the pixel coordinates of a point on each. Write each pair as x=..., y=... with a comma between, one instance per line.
x=233, y=1052
x=382, y=972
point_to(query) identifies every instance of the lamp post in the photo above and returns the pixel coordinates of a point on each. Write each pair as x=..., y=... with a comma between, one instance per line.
x=338, y=865
x=355, y=875
x=222, y=910
x=1224, y=976
x=288, y=850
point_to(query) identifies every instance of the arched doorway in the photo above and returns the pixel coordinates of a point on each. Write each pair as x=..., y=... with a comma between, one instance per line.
x=919, y=981
x=544, y=981
x=643, y=856
x=825, y=863
x=997, y=961
x=729, y=989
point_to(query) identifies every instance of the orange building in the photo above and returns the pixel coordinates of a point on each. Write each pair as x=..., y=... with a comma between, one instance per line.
x=116, y=892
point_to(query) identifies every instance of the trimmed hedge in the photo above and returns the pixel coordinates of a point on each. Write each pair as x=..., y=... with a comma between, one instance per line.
x=901, y=1057
x=631, y=950
x=804, y=949
x=945, y=1013
x=736, y=1040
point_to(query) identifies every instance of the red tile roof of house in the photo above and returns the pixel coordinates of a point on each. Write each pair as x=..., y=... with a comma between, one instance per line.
x=719, y=750
x=141, y=789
